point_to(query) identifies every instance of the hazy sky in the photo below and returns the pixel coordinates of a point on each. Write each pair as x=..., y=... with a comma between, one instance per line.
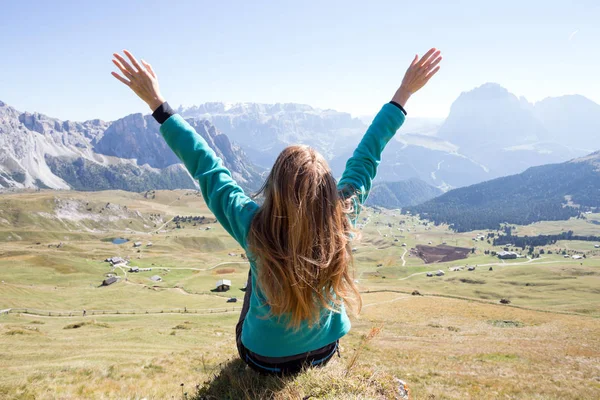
x=55, y=56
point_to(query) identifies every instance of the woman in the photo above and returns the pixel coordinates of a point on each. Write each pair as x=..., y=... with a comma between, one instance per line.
x=298, y=240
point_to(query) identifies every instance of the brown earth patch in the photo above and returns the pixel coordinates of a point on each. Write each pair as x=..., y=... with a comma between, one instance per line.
x=441, y=253
x=225, y=271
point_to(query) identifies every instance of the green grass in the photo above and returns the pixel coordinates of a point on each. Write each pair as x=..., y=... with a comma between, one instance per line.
x=456, y=341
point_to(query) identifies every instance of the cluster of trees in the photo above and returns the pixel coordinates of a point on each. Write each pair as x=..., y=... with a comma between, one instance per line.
x=465, y=218
x=540, y=240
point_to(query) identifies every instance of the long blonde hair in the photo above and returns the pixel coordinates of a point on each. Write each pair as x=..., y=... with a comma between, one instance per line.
x=300, y=240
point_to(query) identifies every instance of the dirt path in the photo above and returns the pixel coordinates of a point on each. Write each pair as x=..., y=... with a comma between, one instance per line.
x=215, y=266
x=402, y=258
x=410, y=276
x=386, y=302
x=531, y=260
x=140, y=313
x=157, y=230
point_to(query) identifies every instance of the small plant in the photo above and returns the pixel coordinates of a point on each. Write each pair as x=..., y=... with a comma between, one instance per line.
x=365, y=339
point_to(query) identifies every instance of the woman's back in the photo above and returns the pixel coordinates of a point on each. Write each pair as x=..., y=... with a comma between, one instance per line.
x=285, y=233
x=298, y=241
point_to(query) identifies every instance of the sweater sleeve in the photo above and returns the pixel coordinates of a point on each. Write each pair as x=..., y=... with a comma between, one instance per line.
x=227, y=201
x=361, y=168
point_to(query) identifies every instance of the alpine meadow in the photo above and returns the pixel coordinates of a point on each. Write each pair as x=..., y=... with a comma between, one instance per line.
x=321, y=200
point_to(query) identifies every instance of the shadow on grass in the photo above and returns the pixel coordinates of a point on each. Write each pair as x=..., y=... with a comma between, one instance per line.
x=236, y=380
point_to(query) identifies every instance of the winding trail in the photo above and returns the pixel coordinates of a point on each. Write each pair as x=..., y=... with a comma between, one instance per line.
x=214, y=266
x=386, y=302
x=410, y=276
x=157, y=230
x=403, y=254
x=531, y=260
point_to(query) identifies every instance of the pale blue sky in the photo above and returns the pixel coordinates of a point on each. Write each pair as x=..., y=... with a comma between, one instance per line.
x=346, y=55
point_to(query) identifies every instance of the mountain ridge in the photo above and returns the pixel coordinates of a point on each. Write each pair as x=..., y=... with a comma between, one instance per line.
x=489, y=133
x=541, y=193
x=130, y=154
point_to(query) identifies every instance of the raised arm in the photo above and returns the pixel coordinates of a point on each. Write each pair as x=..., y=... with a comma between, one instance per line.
x=227, y=201
x=361, y=168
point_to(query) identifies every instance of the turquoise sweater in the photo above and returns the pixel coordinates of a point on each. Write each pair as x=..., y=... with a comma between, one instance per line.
x=234, y=210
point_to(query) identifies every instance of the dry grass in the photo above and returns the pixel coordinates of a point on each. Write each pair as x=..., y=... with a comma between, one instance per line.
x=443, y=349
x=455, y=342
x=92, y=323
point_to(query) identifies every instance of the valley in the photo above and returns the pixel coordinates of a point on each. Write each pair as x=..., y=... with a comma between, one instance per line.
x=144, y=337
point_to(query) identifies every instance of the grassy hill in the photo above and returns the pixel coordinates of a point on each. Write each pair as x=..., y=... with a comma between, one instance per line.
x=546, y=193
x=401, y=194
x=454, y=342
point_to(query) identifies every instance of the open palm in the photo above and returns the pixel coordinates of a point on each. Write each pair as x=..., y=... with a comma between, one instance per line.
x=142, y=80
x=420, y=71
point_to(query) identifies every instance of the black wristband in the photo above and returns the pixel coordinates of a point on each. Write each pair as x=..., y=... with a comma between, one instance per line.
x=399, y=106
x=163, y=113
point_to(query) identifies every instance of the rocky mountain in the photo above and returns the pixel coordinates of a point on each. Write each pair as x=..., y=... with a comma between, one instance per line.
x=489, y=133
x=543, y=193
x=128, y=154
x=576, y=115
x=401, y=194
x=137, y=136
x=263, y=130
x=507, y=135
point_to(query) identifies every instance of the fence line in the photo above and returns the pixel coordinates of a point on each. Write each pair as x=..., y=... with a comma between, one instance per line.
x=50, y=313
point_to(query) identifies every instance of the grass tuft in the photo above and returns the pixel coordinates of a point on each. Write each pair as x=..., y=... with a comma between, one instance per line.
x=235, y=380
x=94, y=323
x=502, y=323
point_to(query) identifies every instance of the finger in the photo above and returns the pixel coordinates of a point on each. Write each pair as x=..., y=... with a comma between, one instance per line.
x=427, y=55
x=123, y=69
x=119, y=77
x=149, y=68
x=432, y=73
x=133, y=60
x=415, y=60
x=125, y=64
x=432, y=64
x=432, y=58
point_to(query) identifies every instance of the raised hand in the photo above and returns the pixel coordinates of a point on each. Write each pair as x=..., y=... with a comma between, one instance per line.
x=417, y=75
x=142, y=80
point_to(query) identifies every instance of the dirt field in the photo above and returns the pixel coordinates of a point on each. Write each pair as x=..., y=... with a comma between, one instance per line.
x=441, y=253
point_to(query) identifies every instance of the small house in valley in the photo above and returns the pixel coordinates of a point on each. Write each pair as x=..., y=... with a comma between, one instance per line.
x=507, y=255
x=223, y=285
x=109, y=281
